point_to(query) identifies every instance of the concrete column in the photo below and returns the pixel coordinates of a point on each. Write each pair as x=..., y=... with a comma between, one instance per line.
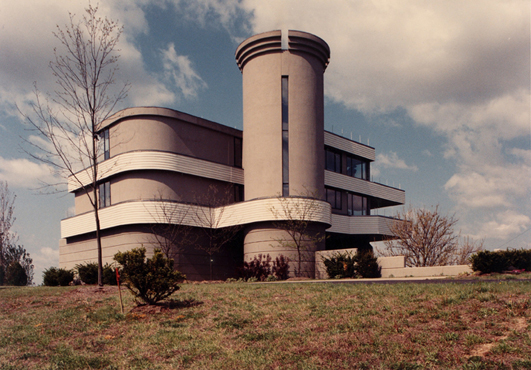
x=283, y=141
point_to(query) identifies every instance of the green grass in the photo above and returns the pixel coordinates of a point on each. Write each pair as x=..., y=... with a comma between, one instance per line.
x=268, y=326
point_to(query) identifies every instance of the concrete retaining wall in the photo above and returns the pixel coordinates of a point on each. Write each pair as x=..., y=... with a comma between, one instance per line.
x=391, y=266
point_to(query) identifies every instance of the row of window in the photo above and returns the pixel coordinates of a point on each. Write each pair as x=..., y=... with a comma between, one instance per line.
x=357, y=205
x=355, y=167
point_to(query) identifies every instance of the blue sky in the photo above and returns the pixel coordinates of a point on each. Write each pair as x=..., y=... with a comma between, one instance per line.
x=441, y=89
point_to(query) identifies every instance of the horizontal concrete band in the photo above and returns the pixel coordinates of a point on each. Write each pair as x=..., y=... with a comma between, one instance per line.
x=149, y=212
x=349, y=146
x=364, y=187
x=362, y=225
x=153, y=160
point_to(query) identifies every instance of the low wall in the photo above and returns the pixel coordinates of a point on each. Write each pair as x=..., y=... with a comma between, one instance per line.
x=391, y=266
x=451, y=270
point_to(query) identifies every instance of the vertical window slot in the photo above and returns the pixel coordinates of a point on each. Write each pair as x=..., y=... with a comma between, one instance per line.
x=285, y=137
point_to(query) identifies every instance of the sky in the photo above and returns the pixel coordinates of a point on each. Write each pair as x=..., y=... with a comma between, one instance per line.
x=441, y=89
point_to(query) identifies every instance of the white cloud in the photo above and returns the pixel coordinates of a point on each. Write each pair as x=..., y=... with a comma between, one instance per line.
x=179, y=71
x=26, y=174
x=35, y=38
x=504, y=225
x=392, y=161
x=387, y=54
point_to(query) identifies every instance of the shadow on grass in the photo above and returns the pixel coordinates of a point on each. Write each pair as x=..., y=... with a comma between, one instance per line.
x=172, y=304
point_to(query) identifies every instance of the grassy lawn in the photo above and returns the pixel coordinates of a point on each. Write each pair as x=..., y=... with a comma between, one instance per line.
x=484, y=325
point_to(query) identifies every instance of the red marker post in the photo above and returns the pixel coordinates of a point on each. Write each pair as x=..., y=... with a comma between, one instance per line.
x=119, y=290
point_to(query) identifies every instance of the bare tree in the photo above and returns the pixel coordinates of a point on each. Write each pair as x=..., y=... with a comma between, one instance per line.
x=296, y=217
x=10, y=252
x=466, y=249
x=170, y=232
x=211, y=215
x=69, y=121
x=427, y=238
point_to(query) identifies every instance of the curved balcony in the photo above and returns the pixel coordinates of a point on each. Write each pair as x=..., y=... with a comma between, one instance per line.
x=152, y=211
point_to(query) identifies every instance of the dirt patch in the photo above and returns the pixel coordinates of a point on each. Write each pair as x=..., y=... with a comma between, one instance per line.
x=519, y=325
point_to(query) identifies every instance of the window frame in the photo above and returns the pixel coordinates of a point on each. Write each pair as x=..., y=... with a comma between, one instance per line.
x=333, y=157
x=104, y=194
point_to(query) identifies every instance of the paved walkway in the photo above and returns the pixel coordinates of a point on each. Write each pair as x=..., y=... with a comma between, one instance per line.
x=411, y=280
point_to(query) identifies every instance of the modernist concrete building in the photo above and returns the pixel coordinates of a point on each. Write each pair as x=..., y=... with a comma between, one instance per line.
x=283, y=166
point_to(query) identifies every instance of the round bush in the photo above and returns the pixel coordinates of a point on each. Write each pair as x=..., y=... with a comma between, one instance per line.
x=55, y=276
x=16, y=275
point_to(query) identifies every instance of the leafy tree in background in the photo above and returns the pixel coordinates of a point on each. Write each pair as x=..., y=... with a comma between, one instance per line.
x=16, y=275
x=69, y=121
x=10, y=253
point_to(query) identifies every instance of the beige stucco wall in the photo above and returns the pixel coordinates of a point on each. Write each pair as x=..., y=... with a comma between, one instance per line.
x=262, y=115
x=278, y=243
x=81, y=250
x=263, y=63
x=171, y=135
x=262, y=128
x=192, y=262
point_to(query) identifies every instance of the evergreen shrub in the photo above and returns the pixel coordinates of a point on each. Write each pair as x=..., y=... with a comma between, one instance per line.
x=57, y=276
x=346, y=265
x=16, y=275
x=487, y=262
x=367, y=265
x=341, y=265
x=88, y=273
x=152, y=279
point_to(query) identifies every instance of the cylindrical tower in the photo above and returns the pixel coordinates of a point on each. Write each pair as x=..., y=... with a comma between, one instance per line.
x=283, y=119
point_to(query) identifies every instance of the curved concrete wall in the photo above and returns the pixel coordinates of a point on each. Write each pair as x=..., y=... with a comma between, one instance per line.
x=264, y=62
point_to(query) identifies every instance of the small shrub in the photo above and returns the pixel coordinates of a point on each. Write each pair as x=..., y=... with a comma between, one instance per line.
x=16, y=275
x=519, y=259
x=488, y=262
x=363, y=264
x=57, y=276
x=340, y=265
x=152, y=279
x=280, y=268
x=259, y=268
x=367, y=265
x=109, y=275
x=271, y=278
x=88, y=273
